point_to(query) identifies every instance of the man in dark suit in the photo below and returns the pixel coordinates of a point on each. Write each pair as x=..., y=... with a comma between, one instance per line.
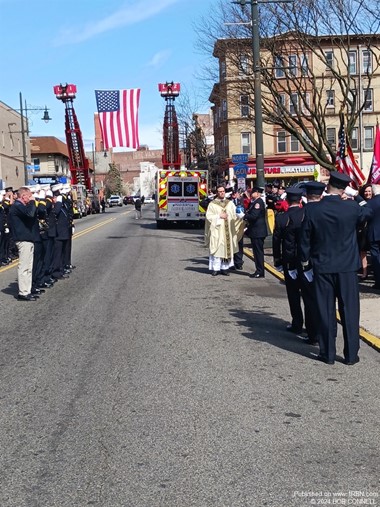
x=22, y=217
x=63, y=234
x=285, y=255
x=373, y=234
x=329, y=252
x=257, y=229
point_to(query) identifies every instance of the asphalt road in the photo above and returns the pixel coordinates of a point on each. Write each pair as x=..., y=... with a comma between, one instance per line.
x=142, y=381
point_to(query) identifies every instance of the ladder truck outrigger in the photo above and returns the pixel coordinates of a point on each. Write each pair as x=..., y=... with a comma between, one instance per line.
x=179, y=191
x=78, y=162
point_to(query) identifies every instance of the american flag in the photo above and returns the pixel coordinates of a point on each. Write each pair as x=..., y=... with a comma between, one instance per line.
x=374, y=172
x=118, y=116
x=345, y=161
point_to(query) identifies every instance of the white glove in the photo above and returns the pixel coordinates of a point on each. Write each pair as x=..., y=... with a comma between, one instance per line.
x=35, y=195
x=309, y=275
x=240, y=215
x=351, y=192
x=73, y=230
x=6, y=230
x=42, y=194
x=293, y=274
x=280, y=269
x=59, y=198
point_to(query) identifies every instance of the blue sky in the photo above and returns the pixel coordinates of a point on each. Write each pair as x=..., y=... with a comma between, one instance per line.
x=97, y=44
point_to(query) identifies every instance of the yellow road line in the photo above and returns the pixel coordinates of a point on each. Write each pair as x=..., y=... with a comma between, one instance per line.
x=76, y=236
x=366, y=336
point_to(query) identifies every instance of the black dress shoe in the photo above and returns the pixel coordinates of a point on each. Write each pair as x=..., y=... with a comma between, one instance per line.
x=215, y=273
x=294, y=330
x=311, y=341
x=45, y=285
x=324, y=359
x=239, y=268
x=224, y=272
x=28, y=297
x=37, y=291
x=256, y=275
x=350, y=363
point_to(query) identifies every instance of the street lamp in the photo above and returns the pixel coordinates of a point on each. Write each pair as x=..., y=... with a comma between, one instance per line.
x=25, y=130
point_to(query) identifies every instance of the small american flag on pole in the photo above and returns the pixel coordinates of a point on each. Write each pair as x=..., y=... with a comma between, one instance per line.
x=118, y=116
x=345, y=161
x=374, y=172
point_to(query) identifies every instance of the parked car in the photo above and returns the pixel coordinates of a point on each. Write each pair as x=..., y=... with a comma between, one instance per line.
x=148, y=200
x=128, y=199
x=115, y=200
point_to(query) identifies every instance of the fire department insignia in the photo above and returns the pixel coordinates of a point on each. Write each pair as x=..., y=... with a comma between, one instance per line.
x=257, y=205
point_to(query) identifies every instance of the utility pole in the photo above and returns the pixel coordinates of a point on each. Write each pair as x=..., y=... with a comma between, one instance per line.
x=259, y=143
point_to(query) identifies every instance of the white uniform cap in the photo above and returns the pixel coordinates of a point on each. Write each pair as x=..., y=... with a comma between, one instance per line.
x=49, y=193
x=66, y=189
x=35, y=188
x=57, y=187
x=45, y=187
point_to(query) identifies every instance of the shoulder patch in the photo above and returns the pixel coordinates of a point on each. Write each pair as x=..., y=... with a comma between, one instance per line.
x=257, y=205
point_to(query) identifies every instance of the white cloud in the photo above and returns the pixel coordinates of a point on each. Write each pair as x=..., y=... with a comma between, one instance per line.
x=128, y=15
x=159, y=58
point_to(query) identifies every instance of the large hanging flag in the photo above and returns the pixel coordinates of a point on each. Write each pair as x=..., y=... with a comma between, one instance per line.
x=345, y=161
x=374, y=172
x=118, y=116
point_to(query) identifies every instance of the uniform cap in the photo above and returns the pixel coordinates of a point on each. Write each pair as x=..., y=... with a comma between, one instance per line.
x=57, y=187
x=339, y=180
x=49, y=193
x=258, y=189
x=294, y=192
x=9, y=189
x=314, y=187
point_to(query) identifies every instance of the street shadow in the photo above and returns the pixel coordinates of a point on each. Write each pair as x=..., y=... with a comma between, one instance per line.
x=264, y=326
x=11, y=290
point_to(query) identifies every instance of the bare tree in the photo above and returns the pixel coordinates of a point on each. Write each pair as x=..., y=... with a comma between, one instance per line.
x=298, y=102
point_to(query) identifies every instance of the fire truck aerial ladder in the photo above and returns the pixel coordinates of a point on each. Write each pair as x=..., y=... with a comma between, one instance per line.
x=171, y=158
x=79, y=164
x=180, y=193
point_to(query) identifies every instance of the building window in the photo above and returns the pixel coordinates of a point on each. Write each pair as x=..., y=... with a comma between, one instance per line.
x=352, y=62
x=281, y=141
x=225, y=146
x=368, y=138
x=243, y=65
x=244, y=106
x=279, y=67
x=329, y=57
x=354, y=139
x=305, y=105
x=330, y=98
x=304, y=65
x=331, y=137
x=281, y=104
x=224, y=110
x=223, y=72
x=293, y=105
x=366, y=61
x=293, y=65
x=294, y=143
x=368, y=99
x=246, y=142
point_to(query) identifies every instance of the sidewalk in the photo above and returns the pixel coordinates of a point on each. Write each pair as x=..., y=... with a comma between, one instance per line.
x=369, y=303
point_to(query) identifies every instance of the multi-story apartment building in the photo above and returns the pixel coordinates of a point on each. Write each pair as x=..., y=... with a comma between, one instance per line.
x=305, y=84
x=13, y=148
